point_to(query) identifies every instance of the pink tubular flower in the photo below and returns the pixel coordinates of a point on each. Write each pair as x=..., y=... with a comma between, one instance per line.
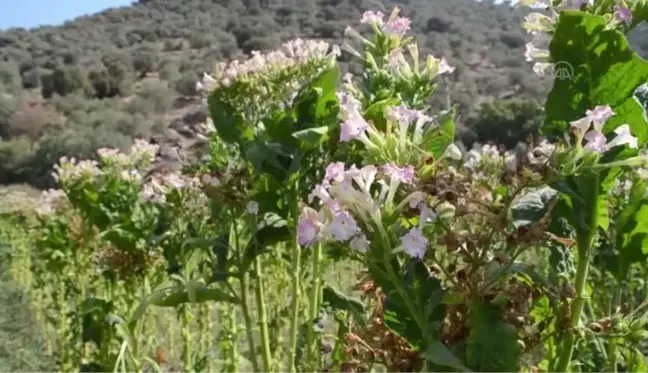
x=335, y=171
x=397, y=27
x=444, y=67
x=349, y=105
x=401, y=113
x=414, y=243
x=370, y=17
x=352, y=128
x=596, y=141
x=596, y=117
x=401, y=174
x=308, y=228
x=343, y=226
x=623, y=14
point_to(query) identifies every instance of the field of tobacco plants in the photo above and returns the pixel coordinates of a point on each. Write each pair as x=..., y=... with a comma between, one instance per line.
x=335, y=226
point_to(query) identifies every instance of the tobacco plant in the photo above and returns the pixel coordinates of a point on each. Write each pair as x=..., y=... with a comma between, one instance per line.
x=478, y=260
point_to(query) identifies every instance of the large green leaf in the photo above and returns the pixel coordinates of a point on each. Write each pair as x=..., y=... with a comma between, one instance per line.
x=438, y=354
x=224, y=119
x=316, y=103
x=339, y=301
x=531, y=207
x=438, y=140
x=420, y=324
x=492, y=345
x=639, y=11
x=632, y=228
x=220, y=249
x=93, y=314
x=312, y=137
x=270, y=230
x=605, y=71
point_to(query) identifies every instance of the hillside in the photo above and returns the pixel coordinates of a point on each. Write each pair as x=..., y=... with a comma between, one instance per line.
x=103, y=79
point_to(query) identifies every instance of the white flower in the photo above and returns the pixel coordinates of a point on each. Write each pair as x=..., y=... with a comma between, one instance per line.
x=414, y=243
x=359, y=243
x=510, y=161
x=624, y=137
x=252, y=208
x=343, y=226
x=453, y=152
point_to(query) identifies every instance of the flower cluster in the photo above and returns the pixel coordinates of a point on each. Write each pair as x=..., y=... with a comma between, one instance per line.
x=160, y=185
x=348, y=194
x=590, y=129
x=480, y=160
x=395, y=27
x=69, y=171
x=50, y=200
x=290, y=54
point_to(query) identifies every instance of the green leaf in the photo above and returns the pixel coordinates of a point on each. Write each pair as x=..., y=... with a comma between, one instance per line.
x=376, y=112
x=636, y=361
x=340, y=301
x=268, y=158
x=492, y=344
x=220, y=248
x=316, y=103
x=632, y=228
x=639, y=10
x=437, y=140
x=224, y=119
x=94, y=312
x=531, y=207
x=271, y=230
x=312, y=137
x=437, y=353
x=421, y=324
x=605, y=71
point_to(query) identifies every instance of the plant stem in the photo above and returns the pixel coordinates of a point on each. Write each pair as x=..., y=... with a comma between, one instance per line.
x=186, y=339
x=585, y=242
x=314, y=303
x=611, y=365
x=295, y=273
x=248, y=323
x=232, y=343
x=263, y=317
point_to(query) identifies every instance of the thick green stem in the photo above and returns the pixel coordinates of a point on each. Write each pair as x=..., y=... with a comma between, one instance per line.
x=263, y=317
x=186, y=339
x=295, y=273
x=248, y=323
x=611, y=365
x=232, y=342
x=585, y=242
x=314, y=305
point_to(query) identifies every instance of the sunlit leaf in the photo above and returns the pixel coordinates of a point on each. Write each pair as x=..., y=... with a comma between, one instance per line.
x=602, y=69
x=492, y=345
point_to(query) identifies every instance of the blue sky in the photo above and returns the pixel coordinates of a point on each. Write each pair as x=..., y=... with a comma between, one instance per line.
x=32, y=13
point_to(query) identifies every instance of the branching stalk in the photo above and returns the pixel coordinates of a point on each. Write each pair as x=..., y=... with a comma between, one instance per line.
x=585, y=243
x=263, y=317
x=314, y=303
x=295, y=273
